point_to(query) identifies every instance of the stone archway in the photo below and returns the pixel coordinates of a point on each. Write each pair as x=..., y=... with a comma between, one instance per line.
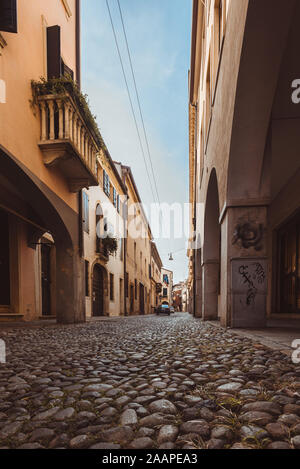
x=211, y=251
x=46, y=212
x=263, y=131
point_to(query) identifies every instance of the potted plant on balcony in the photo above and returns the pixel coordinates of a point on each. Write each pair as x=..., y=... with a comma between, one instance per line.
x=110, y=245
x=62, y=87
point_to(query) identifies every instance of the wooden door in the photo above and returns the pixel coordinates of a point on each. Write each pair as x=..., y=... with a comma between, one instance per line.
x=142, y=299
x=98, y=292
x=131, y=299
x=4, y=260
x=289, y=269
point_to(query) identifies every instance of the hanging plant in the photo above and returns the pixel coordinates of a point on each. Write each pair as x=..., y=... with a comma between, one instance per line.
x=110, y=245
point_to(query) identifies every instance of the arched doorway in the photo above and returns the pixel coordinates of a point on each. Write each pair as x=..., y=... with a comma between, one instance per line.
x=98, y=291
x=211, y=251
x=33, y=209
x=4, y=261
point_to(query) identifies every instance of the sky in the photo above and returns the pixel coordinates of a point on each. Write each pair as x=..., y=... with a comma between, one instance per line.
x=158, y=33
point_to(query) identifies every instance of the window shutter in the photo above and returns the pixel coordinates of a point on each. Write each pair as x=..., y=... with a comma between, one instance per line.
x=66, y=71
x=8, y=16
x=54, y=52
x=85, y=212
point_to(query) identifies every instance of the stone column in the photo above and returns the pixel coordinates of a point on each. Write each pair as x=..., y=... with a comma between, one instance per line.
x=244, y=267
x=198, y=286
x=210, y=289
x=70, y=296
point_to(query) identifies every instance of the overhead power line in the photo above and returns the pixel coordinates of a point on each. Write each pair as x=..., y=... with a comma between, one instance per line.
x=139, y=102
x=129, y=96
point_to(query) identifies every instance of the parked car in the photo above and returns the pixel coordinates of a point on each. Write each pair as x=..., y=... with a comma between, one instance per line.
x=163, y=309
x=172, y=309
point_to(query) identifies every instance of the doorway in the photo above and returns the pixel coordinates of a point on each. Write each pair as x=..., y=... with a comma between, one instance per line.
x=46, y=279
x=289, y=267
x=131, y=299
x=4, y=260
x=142, y=299
x=98, y=291
x=121, y=297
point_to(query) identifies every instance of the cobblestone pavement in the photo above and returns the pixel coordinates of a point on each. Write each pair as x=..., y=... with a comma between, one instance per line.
x=145, y=382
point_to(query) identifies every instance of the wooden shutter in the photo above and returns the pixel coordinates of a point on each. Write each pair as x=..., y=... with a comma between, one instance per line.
x=66, y=71
x=8, y=16
x=54, y=52
x=85, y=212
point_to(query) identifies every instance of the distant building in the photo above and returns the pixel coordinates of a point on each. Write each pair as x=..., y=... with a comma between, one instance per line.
x=137, y=250
x=156, y=285
x=167, y=286
x=180, y=296
x=104, y=222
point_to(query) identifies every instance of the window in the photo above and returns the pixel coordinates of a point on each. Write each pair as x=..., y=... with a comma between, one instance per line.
x=111, y=284
x=115, y=197
x=55, y=64
x=220, y=15
x=54, y=52
x=8, y=16
x=106, y=183
x=87, y=286
x=85, y=212
x=165, y=292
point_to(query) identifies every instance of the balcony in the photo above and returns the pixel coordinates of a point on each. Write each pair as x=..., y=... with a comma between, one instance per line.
x=101, y=250
x=68, y=140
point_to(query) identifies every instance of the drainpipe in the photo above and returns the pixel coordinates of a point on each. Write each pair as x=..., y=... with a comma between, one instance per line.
x=78, y=44
x=125, y=212
x=80, y=225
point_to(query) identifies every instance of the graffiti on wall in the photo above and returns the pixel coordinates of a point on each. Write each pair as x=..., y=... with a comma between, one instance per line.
x=250, y=277
x=249, y=288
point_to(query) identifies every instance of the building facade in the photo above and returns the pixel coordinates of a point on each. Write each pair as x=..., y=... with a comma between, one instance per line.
x=104, y=223
x=137, y=251
x=167, y=286
x=180, y=297
x=48, y=147
x=244, y=162
x=58, y=183
x=156, y=285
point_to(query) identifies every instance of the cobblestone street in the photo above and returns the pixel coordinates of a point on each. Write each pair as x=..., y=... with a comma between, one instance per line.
x=145, y=382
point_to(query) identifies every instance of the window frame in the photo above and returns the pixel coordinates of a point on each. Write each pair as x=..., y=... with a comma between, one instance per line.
x=106, y=183
x=85, y=212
